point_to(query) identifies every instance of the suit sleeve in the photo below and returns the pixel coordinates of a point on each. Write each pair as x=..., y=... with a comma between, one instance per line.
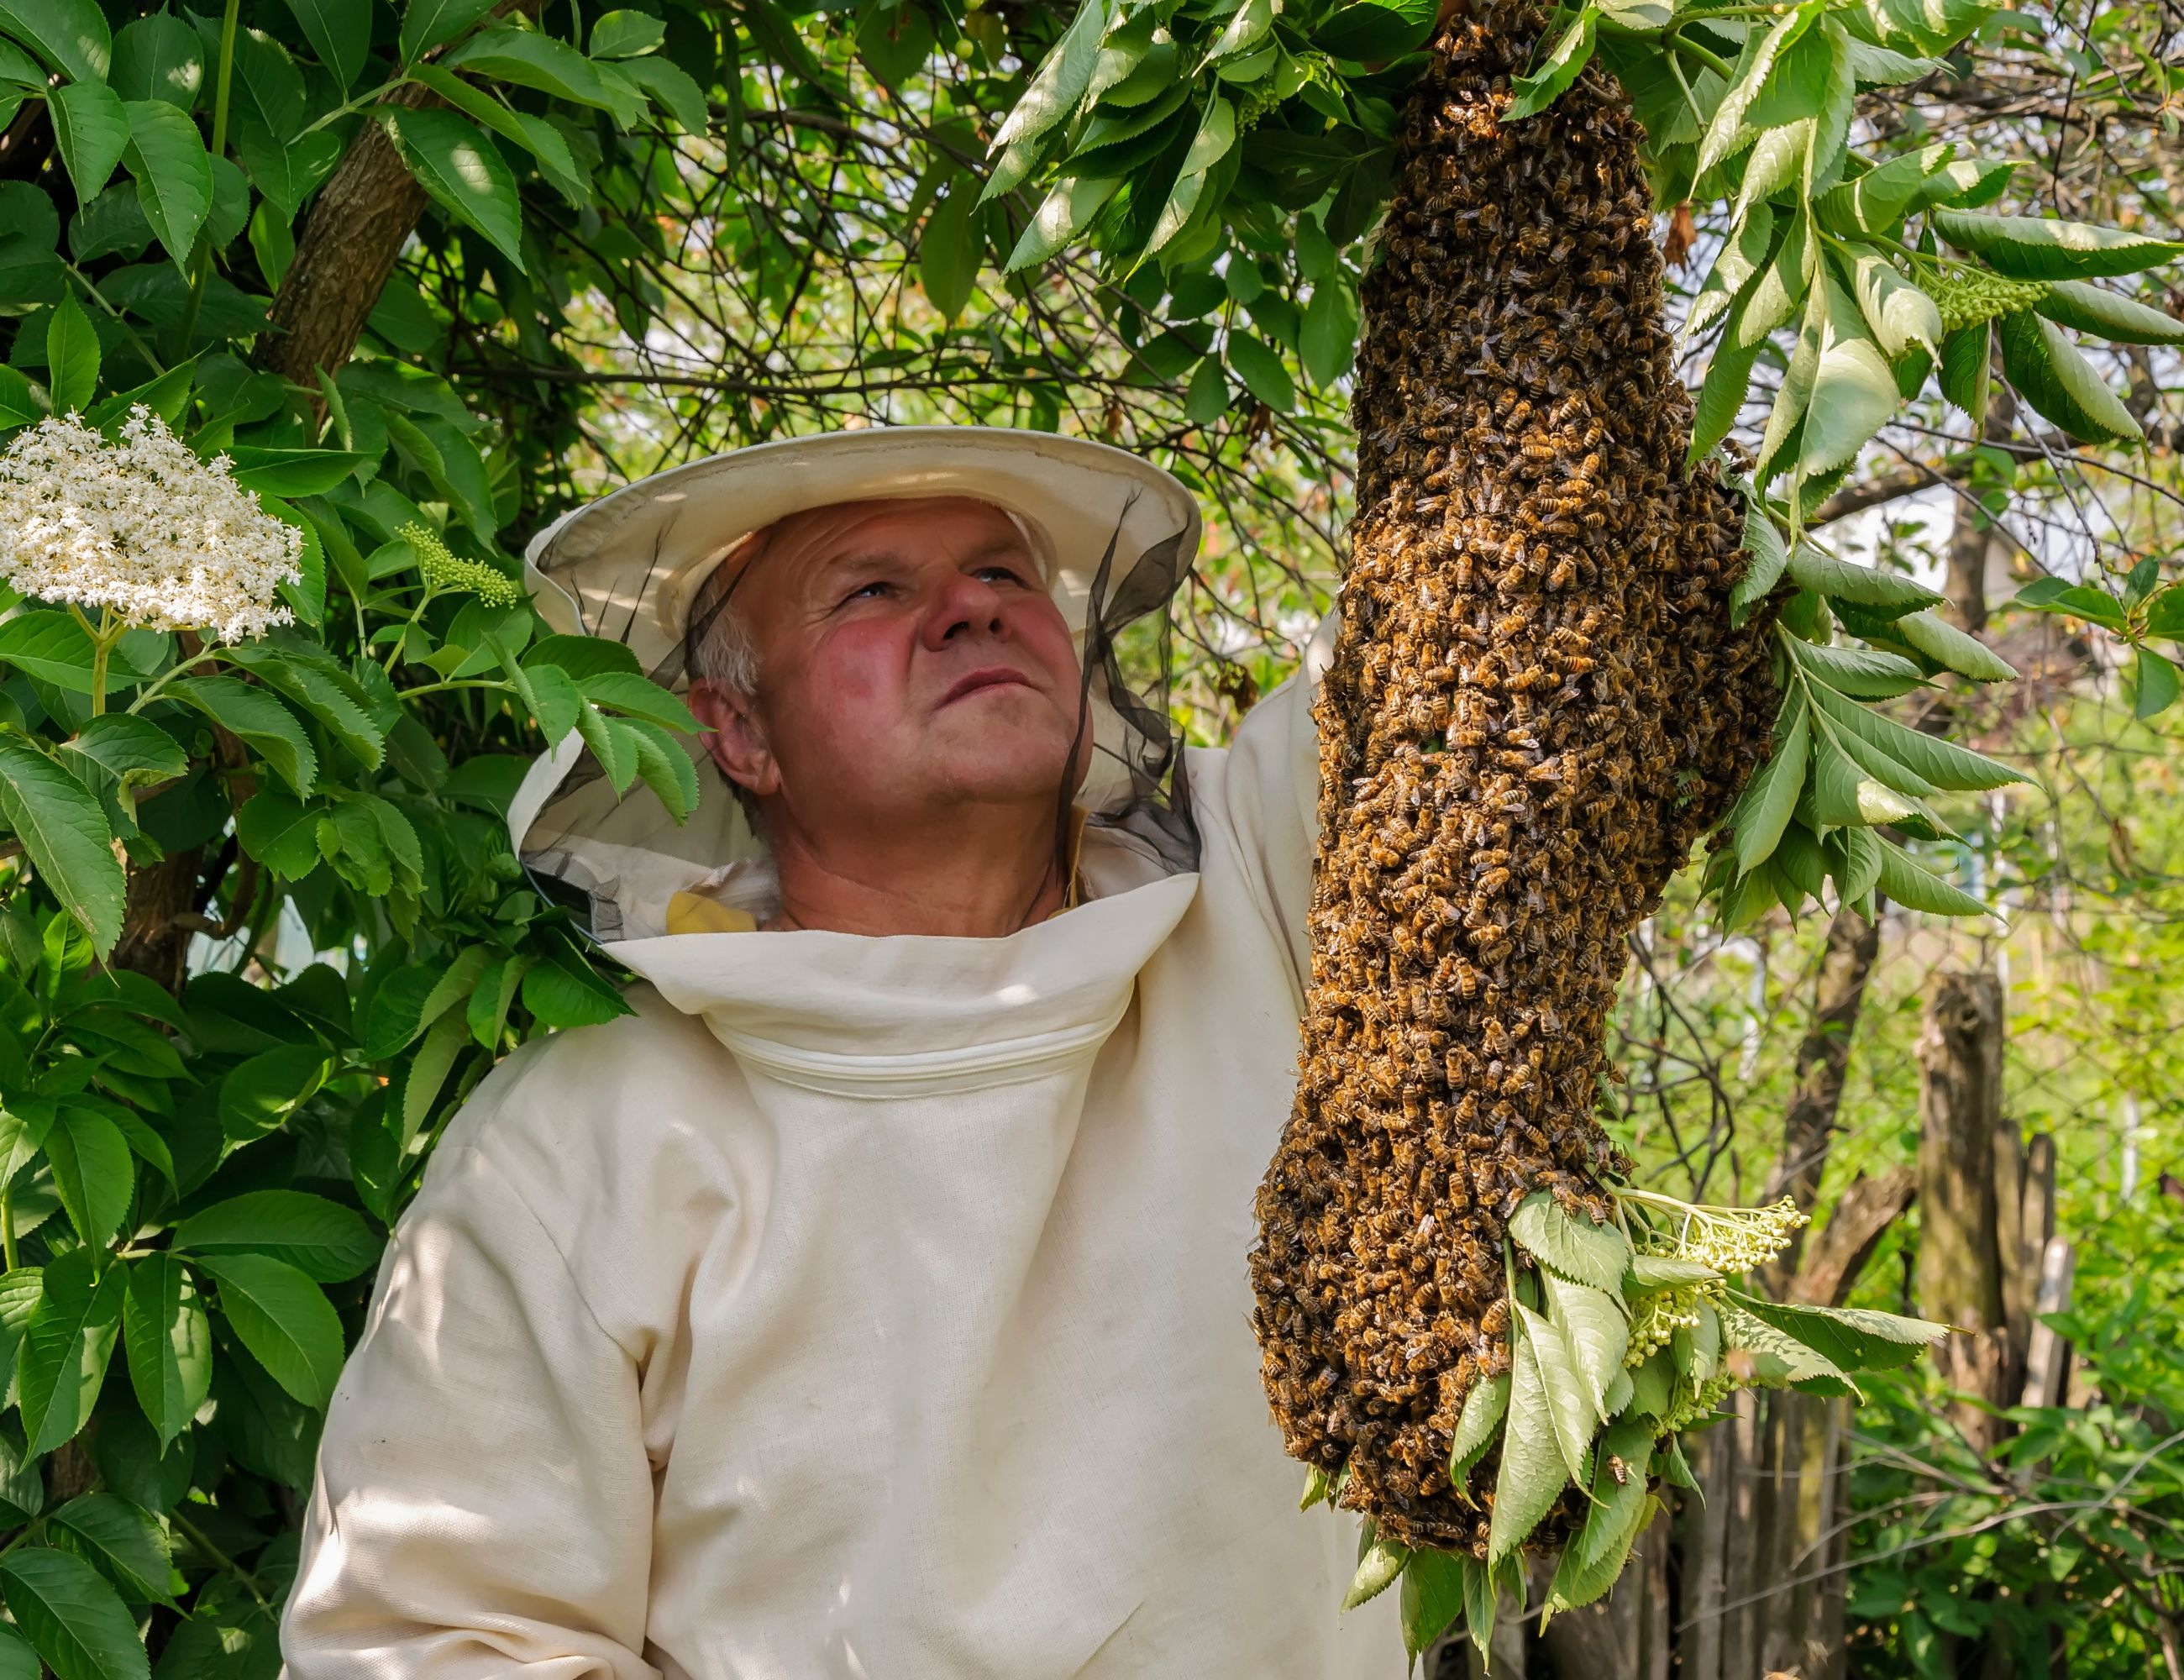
x=483, y=1502
x=1270, y=796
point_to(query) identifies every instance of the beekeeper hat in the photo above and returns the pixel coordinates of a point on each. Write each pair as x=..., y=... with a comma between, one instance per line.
x=1113, y=533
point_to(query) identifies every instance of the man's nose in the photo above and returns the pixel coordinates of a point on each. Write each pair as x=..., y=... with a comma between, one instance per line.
x=967, y=606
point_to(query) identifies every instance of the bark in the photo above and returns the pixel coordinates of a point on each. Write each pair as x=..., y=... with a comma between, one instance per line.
x=1973, y=538
x=155, y=941
x=1862, y=1214
x=358, y=223
x=1960, y=1259
x=1822, y=1059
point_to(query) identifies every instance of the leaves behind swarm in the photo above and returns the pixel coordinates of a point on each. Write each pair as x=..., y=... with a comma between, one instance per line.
x=1538, y=702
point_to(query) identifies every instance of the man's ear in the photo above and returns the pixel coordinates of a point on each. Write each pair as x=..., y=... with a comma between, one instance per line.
x=738, y=742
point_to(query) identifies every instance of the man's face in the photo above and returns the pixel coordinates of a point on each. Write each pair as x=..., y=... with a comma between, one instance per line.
x=909, y=660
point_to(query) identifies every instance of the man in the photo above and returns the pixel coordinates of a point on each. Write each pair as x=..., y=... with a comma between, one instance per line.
x=873, y=1301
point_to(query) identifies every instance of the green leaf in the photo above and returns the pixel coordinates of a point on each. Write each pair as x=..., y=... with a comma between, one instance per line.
x=951, y=250
x=1570, y=1409
x=317, y=685
x=1590, y=1563
x=2055, y=595
x=1260, y=367
x=1068, y=208
x=287, y=171
x=340, y=33
x=2109, y=315
x=1966, y=362
x=1941, y=762
x=1785, y=418
x=1770, y=556
x=2060, y=383
x=2157, y=686
x=1949, y=647
x=169, y=1343
x=1575, y=1246
x=1533, y=1474
x=1917, y=889
x=71, y=34
x=18, y=1661
x=1480, y=1601
x=66, y=1344
x=1815, y=568
x=1651, y=1273
x=428, y=1071
x=18, y=407
x=1866, y=673
x=91, y=129
x=1060, y=81
x=292, y=472
x=1854, y=392
x=66, y=34
x=462, y=171
x=323, y=1240
x=259, y=720
x=1432, y=1598
x=2034, y=247
x=258, y=1093
x=1477, y=1425
x=279, y=833
x=1364, y=31
x=1855, y=1339
x=64, y=833
x=75, y=1620
x=665, y=768
x=174, y=175
x=560, y=995
x=93, y=1169
x=627, y=34
x=1565, y=63
x=1594, y=1331
x=128, y=749
x=428, y=23
x=1876, y=201
x=284, y=1320
x=121, y=1541
x=71, y=357
x=1727, y=133
x=1899, y=313
x=553, y=701
x=1765, y=810
x=1328, y=342
x=1377, y=1570
x=1721, y=399
x=1780, y=1360
x=1743, y=254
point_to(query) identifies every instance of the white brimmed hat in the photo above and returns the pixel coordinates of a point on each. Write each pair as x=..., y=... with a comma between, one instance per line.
x=629, y=565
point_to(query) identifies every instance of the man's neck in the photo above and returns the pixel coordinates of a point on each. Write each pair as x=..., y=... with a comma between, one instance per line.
x=974, y=875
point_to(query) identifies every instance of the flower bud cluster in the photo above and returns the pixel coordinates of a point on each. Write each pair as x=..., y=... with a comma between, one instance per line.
x=1731, y=1241
x=1967, y=299
x=447, y=573
x=1659, y=1316
x=1700, y=1402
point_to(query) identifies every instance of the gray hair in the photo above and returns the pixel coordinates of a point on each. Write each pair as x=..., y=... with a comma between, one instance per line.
x=719, y=648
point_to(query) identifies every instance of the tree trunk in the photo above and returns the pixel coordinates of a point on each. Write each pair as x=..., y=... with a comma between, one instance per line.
x=1822, y=1059
x=1960, y=1256
x=1972, y=536
x=358, y=223
x=155, y=941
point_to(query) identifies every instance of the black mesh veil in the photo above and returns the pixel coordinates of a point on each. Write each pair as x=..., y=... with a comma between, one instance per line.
x=615, y=861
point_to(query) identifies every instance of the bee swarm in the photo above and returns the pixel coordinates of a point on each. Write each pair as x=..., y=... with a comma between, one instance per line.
x=1537, y=703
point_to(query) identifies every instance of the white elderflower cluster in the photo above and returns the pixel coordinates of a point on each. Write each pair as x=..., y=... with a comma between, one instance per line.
x=1730, y=1240
x=143, y=526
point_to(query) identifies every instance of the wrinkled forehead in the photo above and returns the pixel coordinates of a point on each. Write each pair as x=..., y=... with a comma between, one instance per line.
x=801, y=548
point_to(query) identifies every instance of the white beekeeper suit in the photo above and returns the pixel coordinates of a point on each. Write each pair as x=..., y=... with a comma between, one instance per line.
x=870, y=1309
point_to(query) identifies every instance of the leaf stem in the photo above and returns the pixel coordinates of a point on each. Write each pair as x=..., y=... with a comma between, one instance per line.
x=195, y=1536
x=201, y=259
x=1706, y=55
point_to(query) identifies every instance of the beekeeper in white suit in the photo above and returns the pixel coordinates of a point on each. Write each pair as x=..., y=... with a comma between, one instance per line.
x=872, y=1302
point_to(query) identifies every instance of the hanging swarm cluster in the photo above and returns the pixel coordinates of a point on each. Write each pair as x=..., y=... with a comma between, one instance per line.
x=1536, y=706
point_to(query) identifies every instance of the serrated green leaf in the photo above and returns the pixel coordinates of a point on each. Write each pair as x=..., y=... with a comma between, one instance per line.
x=72, y=1615
x=66, y=1344
x=2035, y=247
x=1764, y=809
x=284, y=1319
x=2050, y=373
x=1941, y=762
x=1533, y=1474
x=1377, y=1570
x=64, y=833
x=1949, y=647
x=1432, y=1599
x=1477, y=1425
x=1778, y=1360
x=1652, y=1272
x=462, y=171
x=91, y=127
x=1865, y=673
x=122, y=1542
x=2156, y=687
x=169, y=1344
x=1815, y=569
x=322, y=1239
x=1575, y=1247
x=1917, y=889
x=1855, y=1339
x=1596, y=1331
x=1564, y=62
x=1570, y=1408
x=2109, y=315
x=1060, y=81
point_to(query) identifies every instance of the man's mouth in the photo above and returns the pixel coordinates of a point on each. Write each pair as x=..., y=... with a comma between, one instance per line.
x=993, y=676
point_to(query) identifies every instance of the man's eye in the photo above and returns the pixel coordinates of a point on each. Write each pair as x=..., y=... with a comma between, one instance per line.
x=1000, y=574
x=865, y=592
